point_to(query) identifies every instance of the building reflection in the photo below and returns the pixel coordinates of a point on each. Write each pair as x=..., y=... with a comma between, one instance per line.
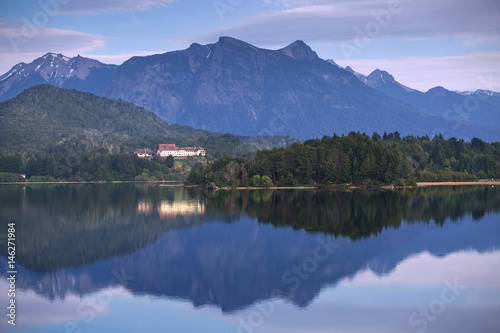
x=167, y=209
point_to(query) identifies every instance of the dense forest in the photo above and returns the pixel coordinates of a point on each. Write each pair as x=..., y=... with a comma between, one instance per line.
x=97, y=165
x=76, y=161
x=357, y=159
x=351, y=159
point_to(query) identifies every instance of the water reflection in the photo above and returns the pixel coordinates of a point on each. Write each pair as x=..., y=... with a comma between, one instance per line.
x=70, y=225
x=170, y=210
x=232, y=249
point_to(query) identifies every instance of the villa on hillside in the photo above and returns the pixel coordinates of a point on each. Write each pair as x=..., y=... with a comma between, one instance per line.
x=170, y=149
x=144, y=152
x=167, y=149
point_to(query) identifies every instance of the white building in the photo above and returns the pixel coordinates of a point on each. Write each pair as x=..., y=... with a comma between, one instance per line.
x=167, y=149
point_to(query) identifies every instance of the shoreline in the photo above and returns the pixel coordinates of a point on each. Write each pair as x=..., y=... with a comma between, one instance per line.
x=94, y=182
x=173, y=183
x=276, y=188
x=487, y=182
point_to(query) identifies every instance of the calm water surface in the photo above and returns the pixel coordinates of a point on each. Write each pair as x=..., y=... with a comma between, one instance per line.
x=129, y=258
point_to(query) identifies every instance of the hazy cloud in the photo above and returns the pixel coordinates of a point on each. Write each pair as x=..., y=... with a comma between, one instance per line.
x=337, y=21
x=76, y=7
x=22, y=44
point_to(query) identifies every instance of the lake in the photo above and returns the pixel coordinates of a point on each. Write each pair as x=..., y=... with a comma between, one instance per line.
x=149, y=258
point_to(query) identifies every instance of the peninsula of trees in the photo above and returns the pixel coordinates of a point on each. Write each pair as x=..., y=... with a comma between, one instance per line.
x=357, y=159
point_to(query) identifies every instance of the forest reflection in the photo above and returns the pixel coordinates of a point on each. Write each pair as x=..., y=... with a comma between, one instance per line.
x=70, y=225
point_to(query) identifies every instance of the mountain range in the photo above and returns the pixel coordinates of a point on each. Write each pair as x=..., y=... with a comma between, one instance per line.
x=232, y=86
x=481, y=106
x=79, y=73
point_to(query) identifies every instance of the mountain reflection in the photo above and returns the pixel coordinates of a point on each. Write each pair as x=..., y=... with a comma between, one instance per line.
x=231, y=249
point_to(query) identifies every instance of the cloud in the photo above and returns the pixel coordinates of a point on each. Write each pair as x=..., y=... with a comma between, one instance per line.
x=110, y=6
x=40, y=311
x=482, y=272
x=23, y=44
x=327, y=21
x=461, y=72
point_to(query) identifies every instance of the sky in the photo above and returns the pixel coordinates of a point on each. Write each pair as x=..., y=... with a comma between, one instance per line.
x=422, y=43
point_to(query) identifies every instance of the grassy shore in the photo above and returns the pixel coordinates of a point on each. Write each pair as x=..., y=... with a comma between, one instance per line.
x=175, y=183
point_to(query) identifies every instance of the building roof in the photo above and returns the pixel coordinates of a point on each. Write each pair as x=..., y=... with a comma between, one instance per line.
x=167, y=146
x=144, y=151
x=173, y=147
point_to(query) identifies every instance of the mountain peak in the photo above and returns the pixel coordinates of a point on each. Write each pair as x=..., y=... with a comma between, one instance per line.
x=381, y=75
x=438, y=91
x=379, y=78
x=360, y=76
x=230, y=41
x=227, y=39
x=486, y=92
x=55, y=69
x=300, y=51
x=226, y=42
x=349, y=69
x=330, y=61
x=51, y=55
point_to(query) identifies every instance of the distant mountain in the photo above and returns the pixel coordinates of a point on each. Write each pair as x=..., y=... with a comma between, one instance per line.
x=385, y=82
x=79, y=73
x=491, y=97
x=232, y=86
x=481, y=107
x=358, y=75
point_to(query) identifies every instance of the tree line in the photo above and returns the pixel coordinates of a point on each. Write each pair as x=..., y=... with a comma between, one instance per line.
x=88, y=160
x=357, y=159
x=97, y=165
x=354, y=158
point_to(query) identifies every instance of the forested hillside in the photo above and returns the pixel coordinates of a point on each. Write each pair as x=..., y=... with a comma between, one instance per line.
x=49, y=120
x=44, y=117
